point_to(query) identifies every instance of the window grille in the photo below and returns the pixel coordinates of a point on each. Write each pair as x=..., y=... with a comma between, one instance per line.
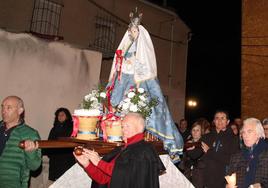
x=46, y=17
x=105, y=35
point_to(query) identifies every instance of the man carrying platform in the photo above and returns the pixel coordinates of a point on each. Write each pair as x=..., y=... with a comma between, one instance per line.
x=136, y=164
x=15, y=164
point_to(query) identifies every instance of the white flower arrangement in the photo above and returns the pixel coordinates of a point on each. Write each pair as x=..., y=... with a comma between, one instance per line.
x=137, y=100
x=94, y=99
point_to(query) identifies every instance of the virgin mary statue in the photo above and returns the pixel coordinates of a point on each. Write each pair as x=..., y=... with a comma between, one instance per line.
x=138, y=69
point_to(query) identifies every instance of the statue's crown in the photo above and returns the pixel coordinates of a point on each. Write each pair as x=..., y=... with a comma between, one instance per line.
x=135, y=18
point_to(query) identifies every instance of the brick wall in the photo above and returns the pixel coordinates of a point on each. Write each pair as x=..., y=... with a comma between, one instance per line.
x=254, y=85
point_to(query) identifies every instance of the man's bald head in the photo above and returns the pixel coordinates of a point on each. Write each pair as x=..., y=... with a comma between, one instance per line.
x=18, y=100
x=138, y=120
x=12, y=111
x=133, y=123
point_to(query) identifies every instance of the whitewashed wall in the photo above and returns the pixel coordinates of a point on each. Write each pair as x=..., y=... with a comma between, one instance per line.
x=46, y=75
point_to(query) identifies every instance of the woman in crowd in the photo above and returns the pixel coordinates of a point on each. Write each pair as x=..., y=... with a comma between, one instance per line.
x=235, y=128
x=60, y=160
x=205, y=125
x=192, y=165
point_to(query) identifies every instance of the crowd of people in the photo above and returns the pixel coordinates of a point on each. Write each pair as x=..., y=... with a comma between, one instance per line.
x=212, y=152
x=225, y=148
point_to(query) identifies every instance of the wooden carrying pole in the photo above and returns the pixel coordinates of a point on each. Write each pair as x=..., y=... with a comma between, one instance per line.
x=42, y=144
x=99, y=146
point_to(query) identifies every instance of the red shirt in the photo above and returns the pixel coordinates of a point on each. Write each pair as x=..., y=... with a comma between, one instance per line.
x=102, y=173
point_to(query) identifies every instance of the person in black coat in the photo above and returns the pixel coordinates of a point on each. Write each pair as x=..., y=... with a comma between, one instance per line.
x=218, y=146
x=192, y=164
x=60, y=160
x=134, y=165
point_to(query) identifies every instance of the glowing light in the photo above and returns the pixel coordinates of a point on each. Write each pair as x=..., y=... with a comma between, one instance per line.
x=192, y=103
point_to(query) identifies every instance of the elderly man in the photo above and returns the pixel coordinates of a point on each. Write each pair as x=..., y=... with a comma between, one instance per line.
x=251, y=163
x=136, y=165
x=15, y=164
x=218, y=146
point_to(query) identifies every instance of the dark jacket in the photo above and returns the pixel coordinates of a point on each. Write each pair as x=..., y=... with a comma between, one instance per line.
x=137, y=166
x=60, y=159
x=240, y=164
x=192, y=166
x=222, y=145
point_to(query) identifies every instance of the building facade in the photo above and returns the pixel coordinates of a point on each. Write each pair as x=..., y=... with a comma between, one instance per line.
x=100, y=25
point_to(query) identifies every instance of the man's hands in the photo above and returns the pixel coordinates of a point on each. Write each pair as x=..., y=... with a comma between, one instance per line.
x=93, y=156
x=205, y=147
x=87, y=157
x=30, y=145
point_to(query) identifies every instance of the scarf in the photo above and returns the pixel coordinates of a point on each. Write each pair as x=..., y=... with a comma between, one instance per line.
x=252, y=156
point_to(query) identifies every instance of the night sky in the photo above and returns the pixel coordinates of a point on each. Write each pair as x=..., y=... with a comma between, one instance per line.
x=214, y=61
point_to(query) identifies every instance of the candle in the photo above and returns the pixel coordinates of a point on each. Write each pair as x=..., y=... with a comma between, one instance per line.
x=231, y=180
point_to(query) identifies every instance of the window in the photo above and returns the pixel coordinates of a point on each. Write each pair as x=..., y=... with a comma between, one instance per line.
x=46, y=17
x=105, y=33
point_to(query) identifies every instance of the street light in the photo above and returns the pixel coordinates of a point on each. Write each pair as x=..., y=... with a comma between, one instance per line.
x=192, y=103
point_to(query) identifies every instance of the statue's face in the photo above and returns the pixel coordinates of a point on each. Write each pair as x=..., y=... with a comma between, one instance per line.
x=133, y=32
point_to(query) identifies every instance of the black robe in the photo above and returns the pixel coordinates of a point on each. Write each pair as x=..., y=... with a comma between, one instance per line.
x=137, y=166
x=60, y=159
